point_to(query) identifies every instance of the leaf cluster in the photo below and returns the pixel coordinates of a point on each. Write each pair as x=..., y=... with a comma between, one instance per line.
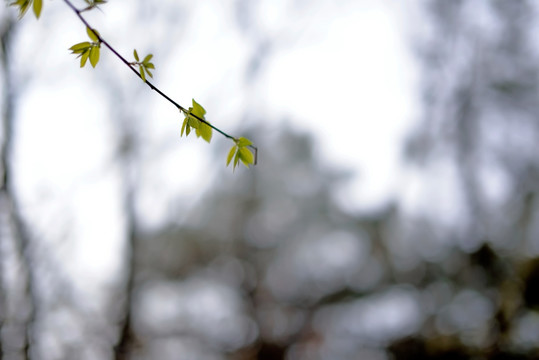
x=192, y=121
x=88, y=50
x=24, y=5
x=143, y=65
x=240, y=152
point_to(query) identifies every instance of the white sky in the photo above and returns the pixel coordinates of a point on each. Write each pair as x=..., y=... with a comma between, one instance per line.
x=360, y=97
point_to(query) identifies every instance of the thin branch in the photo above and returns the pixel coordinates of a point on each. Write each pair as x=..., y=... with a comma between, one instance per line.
x=152, y=86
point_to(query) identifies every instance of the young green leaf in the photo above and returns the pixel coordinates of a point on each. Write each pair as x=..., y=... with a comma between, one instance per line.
x=244, y=142
x=236, y=160
x=193, y=122
x=147, y=59
x=198, y=110
x=231, y=153
x=246, y=156
x=142, y=75
x=38, y=5
x=136, y=55
x=84, y=58
x=80, y=47
x=148, y=71
x=23, y=6
x=204, y=131
x=92, y=34
x=94, y=55
x=241, y=153
x=184, y=125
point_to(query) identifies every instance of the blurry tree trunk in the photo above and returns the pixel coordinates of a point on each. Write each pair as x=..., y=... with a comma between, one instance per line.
x=18, y=297
x=126, y=340
x=126, y=156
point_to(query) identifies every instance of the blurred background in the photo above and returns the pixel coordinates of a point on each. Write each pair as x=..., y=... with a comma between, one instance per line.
x=393, y=213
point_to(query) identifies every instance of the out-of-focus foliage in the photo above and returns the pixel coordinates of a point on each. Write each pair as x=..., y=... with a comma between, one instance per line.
x=478, y=145
x=287, y=274
x=256, y=260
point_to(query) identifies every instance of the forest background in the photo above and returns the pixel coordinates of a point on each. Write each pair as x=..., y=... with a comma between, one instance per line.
x=392, y=215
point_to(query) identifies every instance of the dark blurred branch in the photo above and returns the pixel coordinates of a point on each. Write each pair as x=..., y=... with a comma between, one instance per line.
x=152, y=86
x=127, y=338
x=20, y=234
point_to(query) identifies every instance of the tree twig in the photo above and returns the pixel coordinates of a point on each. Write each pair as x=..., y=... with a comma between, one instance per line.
x=152, y=86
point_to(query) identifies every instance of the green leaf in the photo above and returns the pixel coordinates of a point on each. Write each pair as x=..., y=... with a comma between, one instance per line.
x=187, y=130
x=148, y=71
x=141, y=71
x=244, y=141
x=84, y=58
x=136, y=55
x=236, y=159
x=193, y=122
x=231, y=154
x=80, y=47
x=184, y=125
x=246, y=156
x=94, y=55
x=147, y=58
x=23, y=6
x=92, y=34
x=197, y=109
x=205, y=131
x=150, y=66
x=38, y=5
